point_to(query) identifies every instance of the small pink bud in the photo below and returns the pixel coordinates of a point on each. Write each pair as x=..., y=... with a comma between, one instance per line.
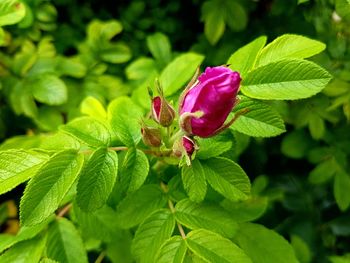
x=162, y=111
x=206, y=106
x=189, y=145
x=151, y=136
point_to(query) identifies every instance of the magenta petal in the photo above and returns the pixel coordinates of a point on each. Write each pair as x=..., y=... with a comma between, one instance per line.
x=188, y=144
x=214, y=95
x=156, y=106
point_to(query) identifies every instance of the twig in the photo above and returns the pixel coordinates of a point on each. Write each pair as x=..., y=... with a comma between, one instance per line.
x=100, y=257
x=179, y=226
x=64, y=210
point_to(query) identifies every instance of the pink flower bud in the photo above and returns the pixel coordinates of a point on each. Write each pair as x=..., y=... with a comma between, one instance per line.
x=189, y=145
x=207, y=104
x=151, y=136
x=162, y=112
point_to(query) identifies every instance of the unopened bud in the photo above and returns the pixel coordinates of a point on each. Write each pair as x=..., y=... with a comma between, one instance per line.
x=162, y=111
x=151, y=136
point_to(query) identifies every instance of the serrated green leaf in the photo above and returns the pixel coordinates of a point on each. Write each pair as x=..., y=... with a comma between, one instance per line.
x=207, y=216
x=24, y=233
x=17, y=166
x=11, y=12
x=227, y=178
x=28, y=251
x=64, y=243
x=264, y=245
x=159, y=46
x=49, y=89
x=194, y=182
x=48, y=260
x=172, y=250
x=261, y=120
x=97, y=180
x=214, y=248
x=45, y=191
x=214, y=22
x=100, y=224
x=214, y=146
x=247, y=210
x=136, y=206
x=134, y=170
x=124, y=117
x=289, y=46
x=151, y=234
x=89, y=131
x=287, y=79
x=179, y=71
x=341, y=189
x=243, y=60
x=93, y=108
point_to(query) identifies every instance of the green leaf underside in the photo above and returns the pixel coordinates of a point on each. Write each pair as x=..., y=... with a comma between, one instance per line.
x=151, y=234
x=289, y=46
x=97, y=180
x=227, y=178
x=136, y=206
x=89, y=131
x=214, y=248
x=17, y=166
x=64, y=243
x=264, y=245
x=45, y=191
x=261, y=120
x=179, y=71
x=211, y=217
x=243, y=60
x=287, y=79
x=194, y=182
x=173, y=250
x=28, y=251
x=135, y=169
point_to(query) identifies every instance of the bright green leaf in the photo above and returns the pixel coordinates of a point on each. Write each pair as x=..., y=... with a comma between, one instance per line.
x=11, y=12
x=264, y=245
x=207, y=216
x=214, y=248
x=173, y=250
x=100, y=224
x=93, y=108
x=243, y=60
x=45, y=191
x=301, y=249
x=159, y=45
x=89, y=131
x=116, y=53
x=141, y=68
x=134, y=170
x=287, y=79
x=49, y=89
x=28, y=251
x=316, y=126
x=323, y=172
x=214, y=146
x=179, y=71
x=136, y=206
x=17, y=166
x=97, y=180
x=194, y=182
x=214, y=22
x=227, y=178
x=289, y=46
x=260, y=120
x=64, y=243
x=151, y=234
